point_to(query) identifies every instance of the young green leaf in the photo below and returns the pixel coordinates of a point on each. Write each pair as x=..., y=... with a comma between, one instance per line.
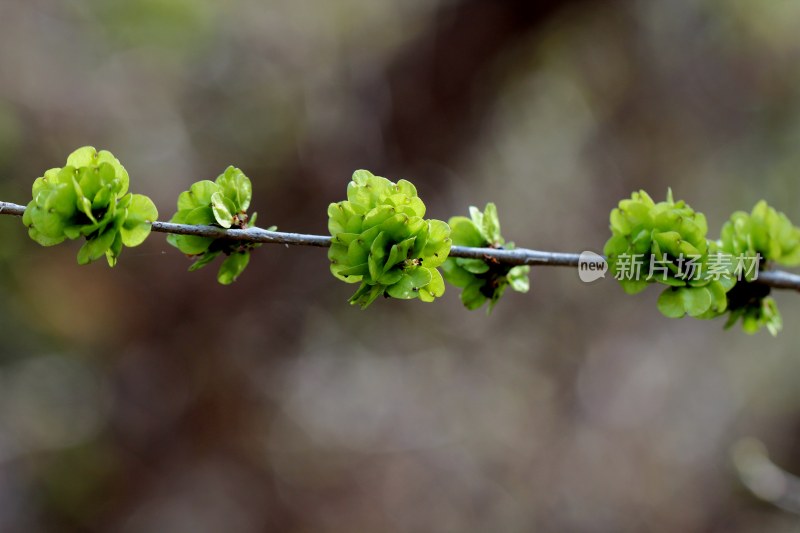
x=223, y=209
x=136, y=227
x=232, y=267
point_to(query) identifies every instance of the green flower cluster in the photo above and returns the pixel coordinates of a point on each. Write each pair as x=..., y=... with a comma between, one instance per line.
x=381, y=240
x=89, y=198
x=481, y=280
x=667, y=235
x=770, y=235
x=763, y=231
x=222, y=203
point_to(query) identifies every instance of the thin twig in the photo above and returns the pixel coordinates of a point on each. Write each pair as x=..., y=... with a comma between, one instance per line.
x=778, y=279
x=7, y=208
x=247, y=235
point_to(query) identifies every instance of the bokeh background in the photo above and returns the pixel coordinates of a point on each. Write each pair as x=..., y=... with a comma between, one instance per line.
x=148, y=399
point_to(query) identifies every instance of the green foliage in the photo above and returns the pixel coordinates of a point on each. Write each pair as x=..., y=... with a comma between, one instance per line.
x=174, y=28
x=382, y=241
x=770, y=235
x=763, y=231
x=751, y=302
x=482, y=280
x=222, y=203
x=666, y=231
x=89, y=198
x=671, y=237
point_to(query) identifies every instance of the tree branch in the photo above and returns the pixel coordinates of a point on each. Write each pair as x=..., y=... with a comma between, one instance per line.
x=778, y=279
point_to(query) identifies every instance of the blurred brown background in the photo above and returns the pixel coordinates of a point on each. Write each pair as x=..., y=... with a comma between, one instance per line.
x=148, y=399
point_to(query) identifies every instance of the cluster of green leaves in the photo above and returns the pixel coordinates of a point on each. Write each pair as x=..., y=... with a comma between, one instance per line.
x=482, y=280
x=222, y=203
x=770, y=235
x=89, y=198
x=670, y=232
x=382, y=241
x=763, y=231
x=667, y=234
